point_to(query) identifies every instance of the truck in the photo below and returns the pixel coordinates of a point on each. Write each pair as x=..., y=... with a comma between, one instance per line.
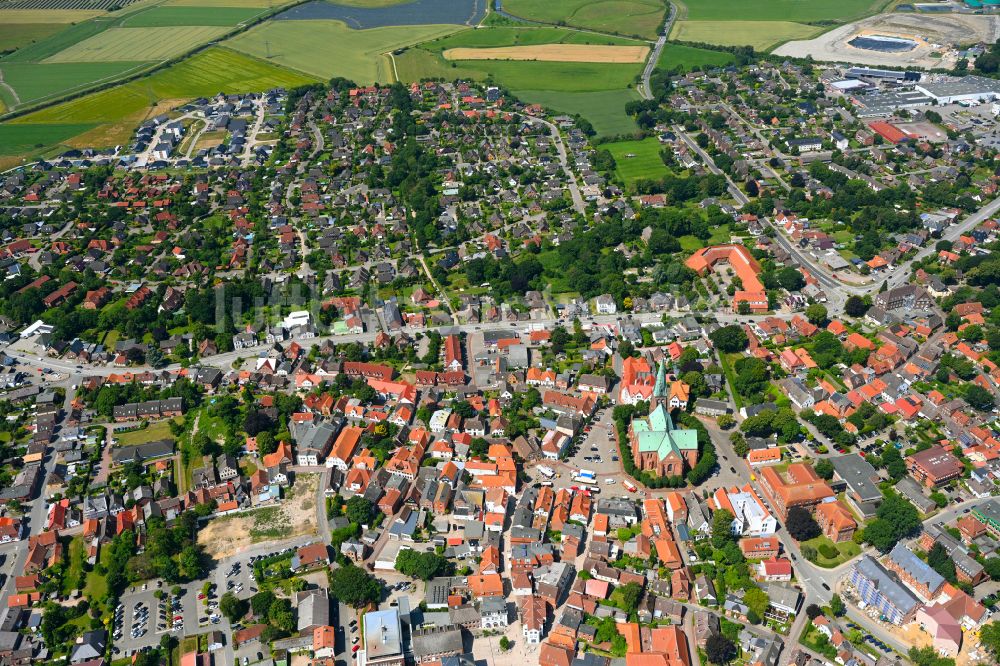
x=585, y=476
x=547, y=472
x=629, y=486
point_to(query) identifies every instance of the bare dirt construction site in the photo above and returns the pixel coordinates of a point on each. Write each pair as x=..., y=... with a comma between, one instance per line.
x=934, y=36
x=294, y=517
x=553, y=53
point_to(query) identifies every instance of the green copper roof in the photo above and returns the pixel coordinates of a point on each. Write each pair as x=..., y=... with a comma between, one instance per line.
x=660, y=387
x=657, y=433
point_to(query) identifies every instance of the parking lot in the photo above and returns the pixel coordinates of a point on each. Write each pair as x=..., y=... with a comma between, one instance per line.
x=141, y=619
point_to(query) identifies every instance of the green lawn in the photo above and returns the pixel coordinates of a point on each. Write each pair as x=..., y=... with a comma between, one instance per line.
x=151, y=433
x=625, y=17
x=73, y=578
x=690, y=243
x=637, y=159
x=604, y=109
x=96, y=586
x=687, y=58
x=329, y=48
x=846, y=550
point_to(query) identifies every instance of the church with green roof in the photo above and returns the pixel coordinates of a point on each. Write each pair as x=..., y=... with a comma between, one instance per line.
x=657, y=445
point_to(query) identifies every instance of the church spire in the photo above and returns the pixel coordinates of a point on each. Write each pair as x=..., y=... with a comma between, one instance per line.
x=660, y=387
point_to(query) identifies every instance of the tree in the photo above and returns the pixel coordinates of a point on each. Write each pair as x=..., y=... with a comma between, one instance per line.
x=801, y=525
x=722, y=528
x=855, y=306
x=837, y=605
x=978, y=397
x=739, y=442
x=813, y=611
x=354, y=586
x=992, y=566
x=719, y=649
x=360, y=510
x=726, y=421
x=281, y=616
x=424, y=565
x=791, y=279
x=729, y=339
x=816, y=314
x=939, y=560
x=504, y=643
x=824, y=468
x=233, y=607
x=629, y=593
x=757, y=601
x=893, y=462
x=989, y=635
x=261, y=602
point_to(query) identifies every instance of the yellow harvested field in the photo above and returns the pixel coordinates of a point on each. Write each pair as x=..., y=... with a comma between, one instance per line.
x=554, y=53
x=47, y=15
x=138, y=44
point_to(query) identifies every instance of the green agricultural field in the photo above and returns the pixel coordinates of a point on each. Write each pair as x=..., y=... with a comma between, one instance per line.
x=762, y=35
x=764, y=24
x=780, y=10
x=605, y=110
x=687, y=58
x=34, y=82
x=58, y=41
x=132, y=44
x=109, y=116
x=521, y=36
x=624, y=17
x=16, y=35
x=329, y=48
x=417, y=63
x=368, y=3
x=159, y=17
x=637, y=159
x=263, y=4
x=20, y=139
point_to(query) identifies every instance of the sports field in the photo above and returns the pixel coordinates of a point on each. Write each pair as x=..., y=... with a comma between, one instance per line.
x=637, y=159
x=553, y=53
x=762, y=35
x=687, y=58
x=605, y=109
x=329, y=48
x=133, y=44
x=624, y=17
x=159, y=17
